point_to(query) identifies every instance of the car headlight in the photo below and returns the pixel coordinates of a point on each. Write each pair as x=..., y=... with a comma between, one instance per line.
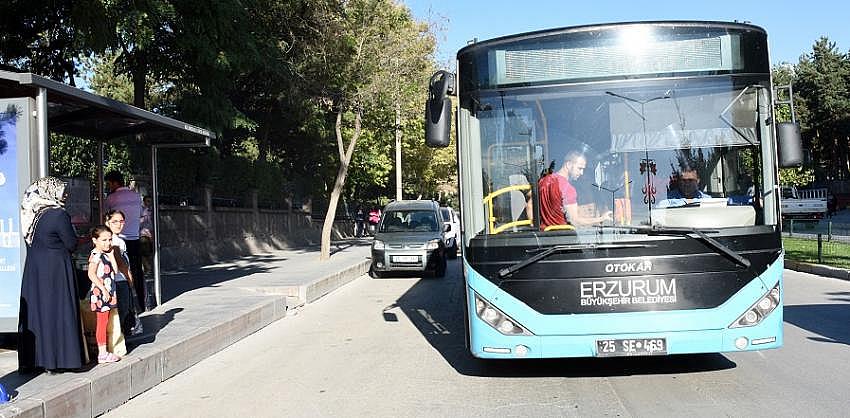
x=378, y=245
x=433, y=244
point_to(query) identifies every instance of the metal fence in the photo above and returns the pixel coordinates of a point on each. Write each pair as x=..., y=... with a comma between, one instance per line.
x=818, y=248
x=811, y=228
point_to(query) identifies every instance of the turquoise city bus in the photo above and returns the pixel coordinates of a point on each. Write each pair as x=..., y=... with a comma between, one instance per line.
x=666, y=231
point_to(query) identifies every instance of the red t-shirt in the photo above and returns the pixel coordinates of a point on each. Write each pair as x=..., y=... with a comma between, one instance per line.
x=555, y=193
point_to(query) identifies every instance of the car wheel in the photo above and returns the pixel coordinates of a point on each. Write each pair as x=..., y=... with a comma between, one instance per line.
x=375, y=274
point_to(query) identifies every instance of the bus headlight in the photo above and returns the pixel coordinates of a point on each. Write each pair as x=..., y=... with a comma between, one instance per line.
x=378, y=245
x=433, y=244
x=497, y=319
x=760, y=310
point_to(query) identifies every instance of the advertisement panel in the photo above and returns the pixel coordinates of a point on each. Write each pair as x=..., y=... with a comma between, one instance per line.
x=16, y=130
x=11, y=262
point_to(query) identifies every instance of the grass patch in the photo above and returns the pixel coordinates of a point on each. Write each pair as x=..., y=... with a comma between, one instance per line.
x=835, y=254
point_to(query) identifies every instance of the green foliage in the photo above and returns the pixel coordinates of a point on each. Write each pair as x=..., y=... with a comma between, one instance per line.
x=268, y=76
x=821, y=83
x=796, y=176
x=834, y=253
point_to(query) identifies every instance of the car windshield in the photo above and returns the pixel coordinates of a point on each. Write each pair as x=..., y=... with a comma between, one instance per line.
x=409, y=221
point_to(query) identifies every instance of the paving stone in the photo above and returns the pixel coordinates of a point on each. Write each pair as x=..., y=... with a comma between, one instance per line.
x=71, y=399
x=24, y=408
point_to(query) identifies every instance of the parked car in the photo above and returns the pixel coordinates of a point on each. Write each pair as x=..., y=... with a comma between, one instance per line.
x=803, y=203
x=410, y=237
x=452, y=232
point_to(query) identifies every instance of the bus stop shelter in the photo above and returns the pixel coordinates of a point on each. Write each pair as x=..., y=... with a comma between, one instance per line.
x=35, y=106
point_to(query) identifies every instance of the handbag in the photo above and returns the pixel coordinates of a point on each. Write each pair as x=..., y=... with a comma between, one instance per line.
x=137, y=329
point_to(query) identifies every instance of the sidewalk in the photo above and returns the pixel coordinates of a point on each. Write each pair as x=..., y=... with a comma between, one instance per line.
x=819, y=269
x=204, y=310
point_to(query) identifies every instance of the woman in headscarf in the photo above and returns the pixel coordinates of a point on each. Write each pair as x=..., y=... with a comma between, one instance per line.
x=49, y=320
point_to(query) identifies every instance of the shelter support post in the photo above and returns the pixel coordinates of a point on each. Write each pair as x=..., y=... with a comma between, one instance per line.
x=157, y=281
x=41, y=133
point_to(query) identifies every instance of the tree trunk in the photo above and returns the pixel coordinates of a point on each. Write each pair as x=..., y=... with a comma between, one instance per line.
x=345, y=159
x=140, y=72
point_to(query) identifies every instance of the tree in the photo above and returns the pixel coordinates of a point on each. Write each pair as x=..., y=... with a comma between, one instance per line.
x=823, y=81
x=353, y=59
x=47, y=37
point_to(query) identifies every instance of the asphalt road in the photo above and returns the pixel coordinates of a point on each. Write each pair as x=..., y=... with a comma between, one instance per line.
x=394, y=348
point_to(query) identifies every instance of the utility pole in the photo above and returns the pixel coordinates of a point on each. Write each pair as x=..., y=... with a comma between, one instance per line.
x=398, y=151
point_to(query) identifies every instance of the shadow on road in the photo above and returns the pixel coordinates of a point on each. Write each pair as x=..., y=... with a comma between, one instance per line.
x=435, y=306
x=829, y=321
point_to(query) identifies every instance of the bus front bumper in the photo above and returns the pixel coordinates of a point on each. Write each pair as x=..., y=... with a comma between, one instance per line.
x=486, y=342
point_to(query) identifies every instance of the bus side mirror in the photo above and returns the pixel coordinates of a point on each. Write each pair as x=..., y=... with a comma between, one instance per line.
x=438, y=110
x=790, y=145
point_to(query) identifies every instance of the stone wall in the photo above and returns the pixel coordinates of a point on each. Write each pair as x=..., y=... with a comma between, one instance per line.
x=191, y=235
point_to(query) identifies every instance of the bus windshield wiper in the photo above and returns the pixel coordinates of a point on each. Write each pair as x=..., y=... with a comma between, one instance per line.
x=507, y=271
x=686, y=232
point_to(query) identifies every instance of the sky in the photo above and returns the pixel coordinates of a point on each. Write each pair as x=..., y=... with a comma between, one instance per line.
x=792, y=26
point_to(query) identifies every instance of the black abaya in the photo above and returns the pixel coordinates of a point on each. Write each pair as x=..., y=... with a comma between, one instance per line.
x=49, y=321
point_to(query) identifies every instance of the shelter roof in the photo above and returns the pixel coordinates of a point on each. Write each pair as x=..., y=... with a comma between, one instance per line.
x=79, y=113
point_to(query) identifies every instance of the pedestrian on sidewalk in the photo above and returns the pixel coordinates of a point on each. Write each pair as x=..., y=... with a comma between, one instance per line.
x=130, y=203
x=123, y=276
x=50, y=331
x=374, y=218
x=101, y=296
x=360, y=222
x=146, y=235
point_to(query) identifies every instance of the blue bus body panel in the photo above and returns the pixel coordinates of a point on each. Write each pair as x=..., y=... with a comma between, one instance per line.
x=575, y=335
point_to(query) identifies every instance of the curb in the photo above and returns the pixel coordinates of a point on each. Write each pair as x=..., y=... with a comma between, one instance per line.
x=818, y=269
x=114, y=384
x=310, y=292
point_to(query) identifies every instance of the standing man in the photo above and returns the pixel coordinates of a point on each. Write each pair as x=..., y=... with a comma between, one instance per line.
x=128, y=201
x=558, y=197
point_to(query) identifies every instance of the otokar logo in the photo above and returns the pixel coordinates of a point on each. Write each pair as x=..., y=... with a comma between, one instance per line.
x=632, y=267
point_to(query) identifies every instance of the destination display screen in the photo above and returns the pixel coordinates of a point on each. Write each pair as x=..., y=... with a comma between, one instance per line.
x=612, y=52
x=636, y=53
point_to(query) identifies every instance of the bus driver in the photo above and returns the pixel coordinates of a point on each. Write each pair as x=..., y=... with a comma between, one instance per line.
x=558, y=196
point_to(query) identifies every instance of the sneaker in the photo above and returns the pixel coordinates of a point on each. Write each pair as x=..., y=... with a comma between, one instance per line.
x=107, y=358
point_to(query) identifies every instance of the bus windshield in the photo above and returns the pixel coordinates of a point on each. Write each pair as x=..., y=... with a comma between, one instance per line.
x=673, y=153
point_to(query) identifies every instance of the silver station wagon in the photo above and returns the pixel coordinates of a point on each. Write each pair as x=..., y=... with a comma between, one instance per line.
x=410, y=237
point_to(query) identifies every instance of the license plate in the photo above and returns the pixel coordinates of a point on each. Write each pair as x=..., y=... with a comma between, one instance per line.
x=405, y=258
x=631, y=347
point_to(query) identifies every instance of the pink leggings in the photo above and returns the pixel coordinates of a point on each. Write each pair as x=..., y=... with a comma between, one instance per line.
x=100, y=333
